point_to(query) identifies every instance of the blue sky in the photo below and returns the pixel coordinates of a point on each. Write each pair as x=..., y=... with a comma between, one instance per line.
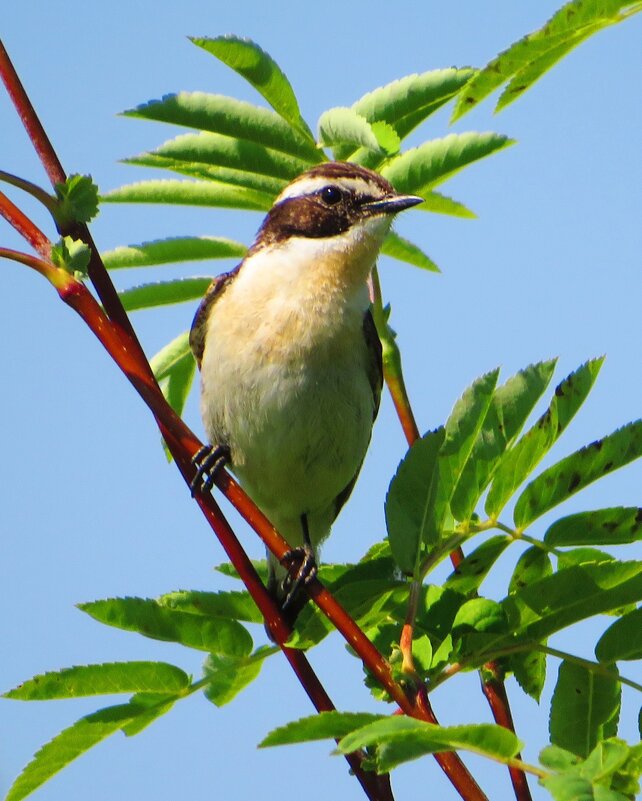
x=90, y=509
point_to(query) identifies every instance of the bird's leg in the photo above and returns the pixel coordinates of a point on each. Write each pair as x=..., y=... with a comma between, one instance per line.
x=207, y=461
x=303, y=556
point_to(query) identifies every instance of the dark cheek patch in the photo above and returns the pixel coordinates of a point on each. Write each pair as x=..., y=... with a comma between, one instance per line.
x=306, y=216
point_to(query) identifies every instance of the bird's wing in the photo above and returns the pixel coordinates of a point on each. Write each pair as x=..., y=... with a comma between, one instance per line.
x=375, y=376
x=199, y=323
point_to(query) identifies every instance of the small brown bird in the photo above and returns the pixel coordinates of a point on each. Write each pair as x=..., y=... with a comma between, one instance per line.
x=290, y=360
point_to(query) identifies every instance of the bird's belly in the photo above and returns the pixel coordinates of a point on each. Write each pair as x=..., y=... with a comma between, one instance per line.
x=297, y=431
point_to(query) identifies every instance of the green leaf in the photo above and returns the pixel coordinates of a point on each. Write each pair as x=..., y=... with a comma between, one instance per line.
x=173, y=250
x=584, y=710
x=324, y=726
x=149, y=618
x=572, y=787
x=441, y=204
x=77, y=200
x=622, y=640
x=420, y=169
x=517, y=463
x=534, y=564
x=152, y=706
x=262, y=72
x=511, y=405
x=407, y=102
x=233, y=118
x=71, y=255
x=528, y=58
x=191, y=193
x=481, y=615
x=343, y=126
x=171, y=356
x=176, y=387
x=397, y=247
x=228, y=675
x=618, y=525
x=163, y=293
x=410, y=501
x=572, y=594
x=109, y=677
x=577, y=471
x=231, y=604
x=467, y=577
x=70, y=744
x=401, y=739
x=216, y=150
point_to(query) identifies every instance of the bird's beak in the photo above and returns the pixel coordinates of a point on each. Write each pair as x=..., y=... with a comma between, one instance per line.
x=392, y=204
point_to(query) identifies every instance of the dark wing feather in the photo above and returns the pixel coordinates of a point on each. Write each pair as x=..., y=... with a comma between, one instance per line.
x=375, y=375
x=199, y=323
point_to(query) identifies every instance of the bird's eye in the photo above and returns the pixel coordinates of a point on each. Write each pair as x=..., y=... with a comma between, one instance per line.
x=331, y=195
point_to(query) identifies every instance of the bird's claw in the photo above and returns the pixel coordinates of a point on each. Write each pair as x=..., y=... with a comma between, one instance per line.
x=208, y=460
x=303, y=560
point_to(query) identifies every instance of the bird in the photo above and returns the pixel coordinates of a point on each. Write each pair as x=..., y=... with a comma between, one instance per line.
x=290, y=361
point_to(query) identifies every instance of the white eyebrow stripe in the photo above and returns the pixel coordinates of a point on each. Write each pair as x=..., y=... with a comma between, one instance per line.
x=308, y=186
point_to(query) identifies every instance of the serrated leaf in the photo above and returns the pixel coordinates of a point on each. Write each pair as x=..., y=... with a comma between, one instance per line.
x=230, y=604
x=584, y=710
x=324, y=726
x=410, y=500
x=517, y=463
x=420, y=169
x=528, y=58
x=262, y=72
x=149, y=618
x=70, y=744
x=618, y=525
x=191, y=193
x=109, y=677
x=71, y=255
x=402, y=249
x=230, y=117
x=406, y=738
x=229, y=675
x=152, y=706
x=572, y=594
x=216, y=150
x=173, y=250
x=510, y=406
x=343, y=126
x=622, y=640
x=77, y=200
x=467, y=577
x=442, y=204
x=408, y=101
x=577, y=471
x=163, y=293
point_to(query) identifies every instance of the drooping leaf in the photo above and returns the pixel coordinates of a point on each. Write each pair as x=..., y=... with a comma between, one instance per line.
x=230, y=604
x=410, y=501
x=517, y=463
x=422, y=168
x=397, y=247
x=527, y=59
x=324, y=726
x=622, y=640
x=229, y=675
x=151, y=619
x=442, y=204
x=262, y=72
x=230, y=117
x=173, y=250
x=471, y=571
x=511, y=404
x=581, y=468
x=343, y=126
x=619, y=525
x=191, y=193
x=70, y=744
x=109, y=677
x=572, y=594
x=163, y=293
x=584, y=710
x=265, y=185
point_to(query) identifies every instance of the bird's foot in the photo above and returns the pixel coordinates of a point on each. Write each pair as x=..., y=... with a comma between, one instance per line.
x=208, y=460
x=302, y=568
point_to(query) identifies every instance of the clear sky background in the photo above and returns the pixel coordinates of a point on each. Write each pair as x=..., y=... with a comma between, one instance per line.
x=89, y=507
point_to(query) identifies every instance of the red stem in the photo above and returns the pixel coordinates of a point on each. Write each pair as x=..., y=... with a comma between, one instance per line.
x=24, y=226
